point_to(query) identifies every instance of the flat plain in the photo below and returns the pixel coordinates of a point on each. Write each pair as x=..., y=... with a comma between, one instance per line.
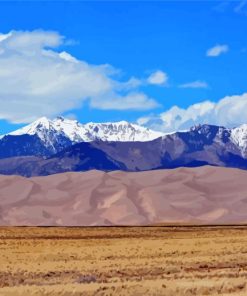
x=158, y=260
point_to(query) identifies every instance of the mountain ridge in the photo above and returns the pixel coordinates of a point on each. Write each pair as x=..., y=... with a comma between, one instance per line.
x=77, y=132
x=24, y=154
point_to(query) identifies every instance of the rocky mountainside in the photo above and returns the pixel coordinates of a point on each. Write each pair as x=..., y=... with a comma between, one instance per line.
x=202, y=195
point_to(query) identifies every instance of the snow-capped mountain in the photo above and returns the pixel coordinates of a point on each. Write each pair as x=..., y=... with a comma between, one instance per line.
x=76, y=132
x=49, y=130
x=239, y=137
x=121, y=131
x=52, y=136
x=69, y=146
x=124, y=144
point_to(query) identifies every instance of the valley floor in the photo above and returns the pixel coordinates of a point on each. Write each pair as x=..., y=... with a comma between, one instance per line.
x=123, y=261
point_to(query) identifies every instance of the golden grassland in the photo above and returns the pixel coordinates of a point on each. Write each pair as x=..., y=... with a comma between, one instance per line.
x=123, y=261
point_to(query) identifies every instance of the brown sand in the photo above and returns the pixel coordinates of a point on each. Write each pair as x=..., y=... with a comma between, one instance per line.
x=203, y=195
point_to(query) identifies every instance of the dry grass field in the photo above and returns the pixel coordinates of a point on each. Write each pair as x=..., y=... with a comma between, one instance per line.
x=123, y=261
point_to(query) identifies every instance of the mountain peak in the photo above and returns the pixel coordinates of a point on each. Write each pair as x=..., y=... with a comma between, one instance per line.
x=34, y=127
x=43, y=120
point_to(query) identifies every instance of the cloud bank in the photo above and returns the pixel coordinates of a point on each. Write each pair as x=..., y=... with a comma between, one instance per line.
x=36, y=80
x=230, y=111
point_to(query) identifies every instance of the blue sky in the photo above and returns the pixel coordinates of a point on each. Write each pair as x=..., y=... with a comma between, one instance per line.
x=137, y=39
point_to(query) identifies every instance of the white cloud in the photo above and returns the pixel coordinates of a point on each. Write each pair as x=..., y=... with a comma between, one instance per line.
x=37, y=80
x=229, y=112
x=217, y=50
x=158, y=78
x=132, y=83
x=137, y=101
x=67, y=57
x=194, y=84
x=4, y=36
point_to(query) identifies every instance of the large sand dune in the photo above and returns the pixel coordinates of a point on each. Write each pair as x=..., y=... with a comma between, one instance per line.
x=201, y=195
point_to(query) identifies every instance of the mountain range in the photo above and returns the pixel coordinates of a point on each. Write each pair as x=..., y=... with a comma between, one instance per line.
x=45, y=137
x=47, y=147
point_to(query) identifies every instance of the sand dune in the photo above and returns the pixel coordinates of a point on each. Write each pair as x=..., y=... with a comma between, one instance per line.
x=201, y=195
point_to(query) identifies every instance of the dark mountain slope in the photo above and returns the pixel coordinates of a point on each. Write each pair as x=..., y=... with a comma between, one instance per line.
x=80, y=157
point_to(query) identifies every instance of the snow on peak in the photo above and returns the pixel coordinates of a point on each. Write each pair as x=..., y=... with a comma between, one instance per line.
x=45, y=129
x=37, y=127
x=239, y=137
x=76, y=132
x=121, y=131
x=61, y=132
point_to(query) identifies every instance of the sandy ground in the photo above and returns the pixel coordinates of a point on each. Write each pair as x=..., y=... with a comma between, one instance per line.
x=200, y=195
x=123, y=261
